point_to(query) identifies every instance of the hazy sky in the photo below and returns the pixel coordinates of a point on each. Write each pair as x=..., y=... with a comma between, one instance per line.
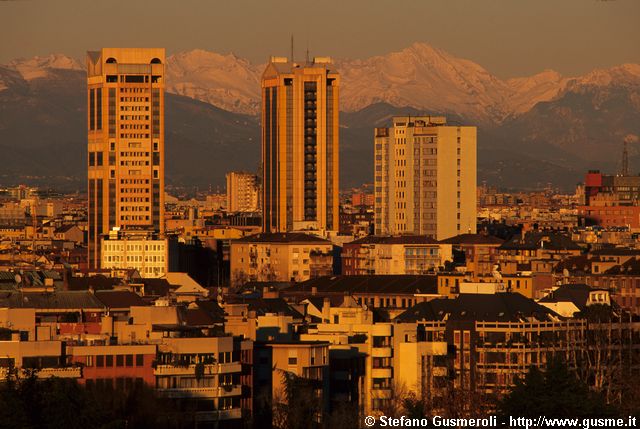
x=508, y=37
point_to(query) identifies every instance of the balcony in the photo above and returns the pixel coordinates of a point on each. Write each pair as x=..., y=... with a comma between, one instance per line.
x=382, y=373
x=69, y=372
x=212, y=416
x=381, y=393
x=229, y=390
x=201, y=392
x=381, y=352
x=380, y=330
x=189, y=392
x=218, y=368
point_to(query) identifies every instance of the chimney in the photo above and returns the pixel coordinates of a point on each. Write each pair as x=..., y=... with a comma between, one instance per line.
x=326, y=307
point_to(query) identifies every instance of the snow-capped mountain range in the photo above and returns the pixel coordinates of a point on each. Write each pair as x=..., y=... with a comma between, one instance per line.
x=419, y=76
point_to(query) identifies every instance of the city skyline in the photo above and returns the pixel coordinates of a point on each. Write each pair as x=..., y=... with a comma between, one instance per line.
x=369, y=264
x=535, y=34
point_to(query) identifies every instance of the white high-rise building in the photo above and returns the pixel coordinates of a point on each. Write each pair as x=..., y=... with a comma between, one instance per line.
x=425, y=178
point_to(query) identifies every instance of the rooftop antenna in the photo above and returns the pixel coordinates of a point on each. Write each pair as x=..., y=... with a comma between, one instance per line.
x=307, y=58
x=625, y=159
x=292, y=49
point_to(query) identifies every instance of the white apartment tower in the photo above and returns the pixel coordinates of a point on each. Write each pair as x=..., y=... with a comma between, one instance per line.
x=425, y=178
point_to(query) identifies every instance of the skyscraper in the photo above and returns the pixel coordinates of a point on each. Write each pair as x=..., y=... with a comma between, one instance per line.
x=125, y=142
x=300, y=145
x=425, y=178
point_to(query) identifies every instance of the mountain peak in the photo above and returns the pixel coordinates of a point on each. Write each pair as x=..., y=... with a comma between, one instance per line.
x=37, y=67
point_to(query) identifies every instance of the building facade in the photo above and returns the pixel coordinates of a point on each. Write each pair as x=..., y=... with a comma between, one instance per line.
x=382, y=255
x=300, y=145
x=242, y=192
x=425, y=178
x=280, y=257
x=141, y=251
x=125, y=142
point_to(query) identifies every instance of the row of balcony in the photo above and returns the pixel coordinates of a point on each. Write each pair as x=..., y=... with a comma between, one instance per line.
x=201, y=392
x=67, y=372
x=211, y=416
x=211, y=369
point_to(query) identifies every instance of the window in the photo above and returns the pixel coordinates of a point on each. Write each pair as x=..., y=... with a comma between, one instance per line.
x=119, y=360
x=109, y=360
x=293, y=361
x=129, y=360
x=89, y=361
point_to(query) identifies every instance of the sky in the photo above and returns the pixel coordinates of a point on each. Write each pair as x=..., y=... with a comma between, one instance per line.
x=509, y=38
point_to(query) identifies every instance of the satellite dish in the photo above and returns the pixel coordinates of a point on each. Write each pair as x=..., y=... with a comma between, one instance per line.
x=18, y=278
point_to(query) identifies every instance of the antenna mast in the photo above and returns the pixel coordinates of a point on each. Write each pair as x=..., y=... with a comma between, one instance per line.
x=292, y=49
x=625, y=160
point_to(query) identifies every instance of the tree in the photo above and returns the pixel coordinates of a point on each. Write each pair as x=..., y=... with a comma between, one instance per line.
x=29, y=402
x=555, y=392
x=297, y=407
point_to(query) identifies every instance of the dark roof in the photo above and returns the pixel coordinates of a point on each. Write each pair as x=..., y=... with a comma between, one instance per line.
x=392, y=284
x=199, y=317
x=498, y=307
x=156, y=287
x=64, y=228
x=615, y=251
x=628, y=268
x=395, y=239
x=212, y=308
x=119, y=298
x=578, y=294
x=263, y=306
x=318, y=301
x=255, y=286
x=97, y=282
x=473, y=239
x=576, y=265
x=537, y=240
x=282, y=237
x=65, y=300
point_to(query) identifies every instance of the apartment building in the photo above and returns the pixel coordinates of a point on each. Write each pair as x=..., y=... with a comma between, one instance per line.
x=384, y=255
x=243, y=192
x=143, y=251
x=425, y=178
x=280, y=257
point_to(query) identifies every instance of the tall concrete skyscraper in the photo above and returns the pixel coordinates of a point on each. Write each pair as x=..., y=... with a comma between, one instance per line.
x=425, y=178
x=300, y=145
x=125, y=142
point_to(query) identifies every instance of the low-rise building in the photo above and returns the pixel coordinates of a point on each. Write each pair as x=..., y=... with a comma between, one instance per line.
x=383, y=255
x=279, y=257
x=139, y=250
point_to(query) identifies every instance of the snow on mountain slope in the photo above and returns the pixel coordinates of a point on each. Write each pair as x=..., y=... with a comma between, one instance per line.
x=423, y=77
x=37, y=67
x=225, y=81
x=420, y=76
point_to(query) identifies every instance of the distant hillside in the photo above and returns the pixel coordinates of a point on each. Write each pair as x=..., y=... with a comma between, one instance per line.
x=43, y=134
x=532, y=131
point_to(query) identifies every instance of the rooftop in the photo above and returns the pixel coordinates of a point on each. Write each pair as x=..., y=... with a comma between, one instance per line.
x=390, y=284
x=499, y=307
x=282, y=237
